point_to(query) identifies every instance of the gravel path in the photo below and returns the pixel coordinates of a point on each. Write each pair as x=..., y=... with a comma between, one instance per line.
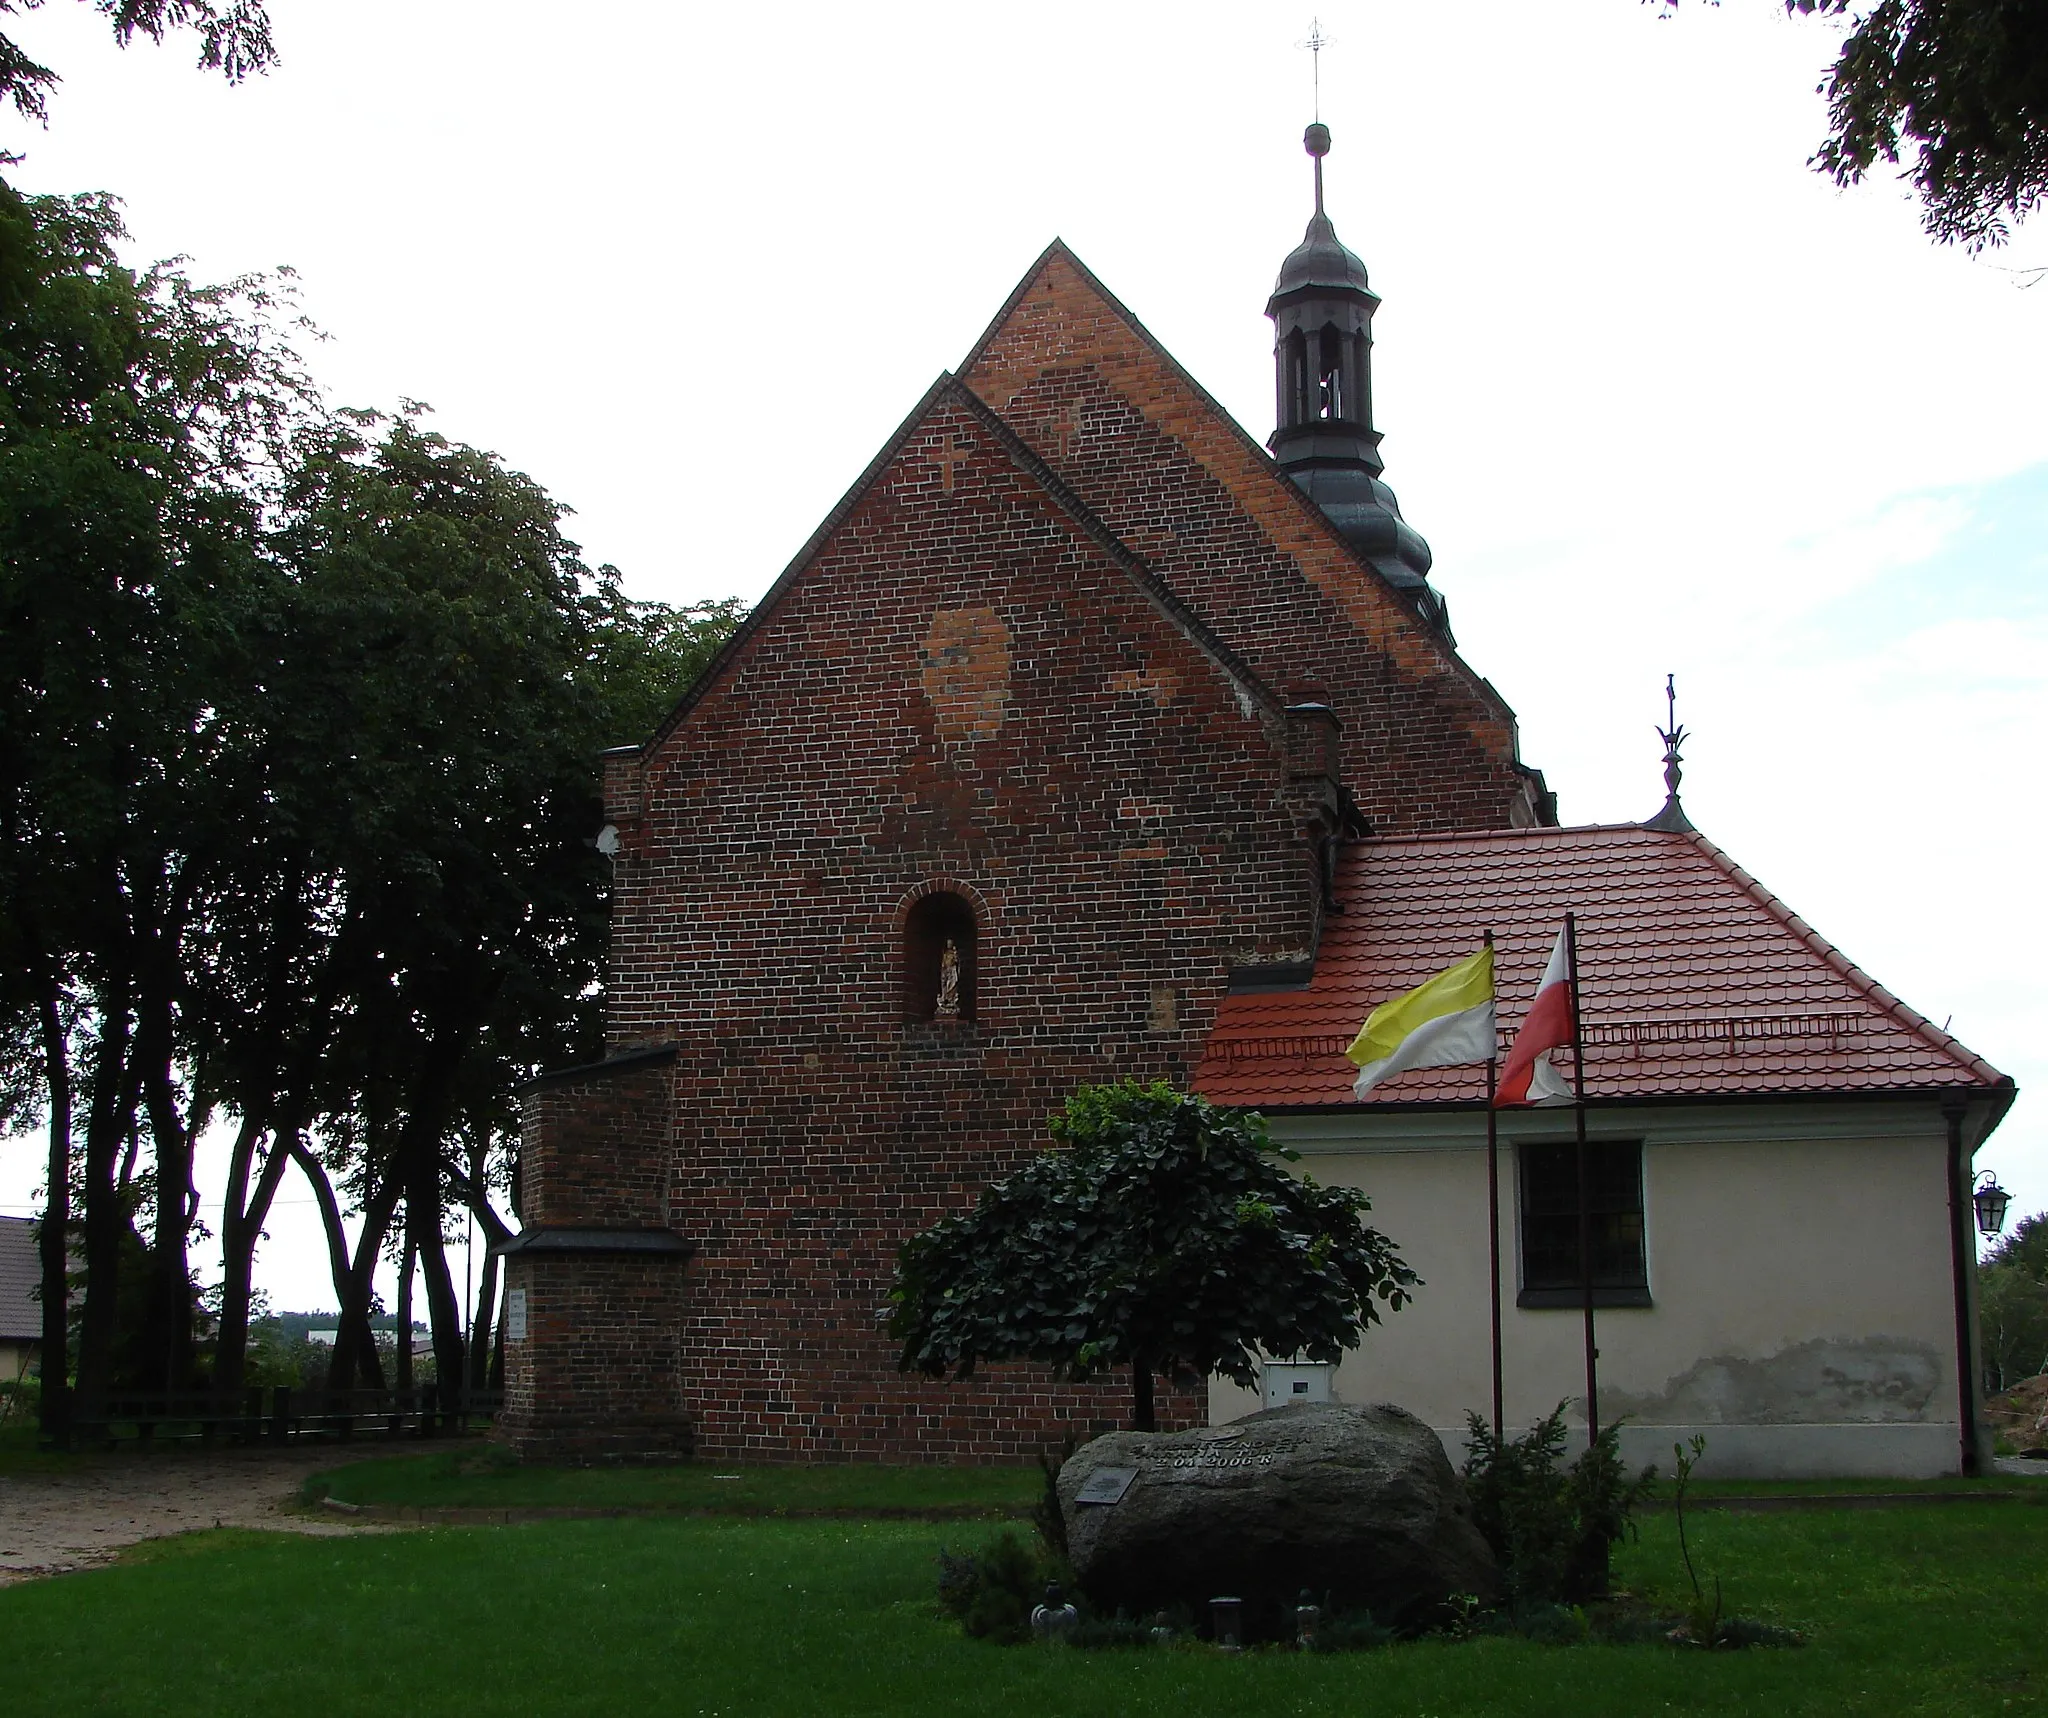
x=53, y=1522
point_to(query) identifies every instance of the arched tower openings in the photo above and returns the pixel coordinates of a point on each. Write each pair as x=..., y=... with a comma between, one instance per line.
x=1323, y=436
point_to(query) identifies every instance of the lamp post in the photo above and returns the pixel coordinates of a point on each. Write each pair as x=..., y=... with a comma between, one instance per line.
x=1991, y=1201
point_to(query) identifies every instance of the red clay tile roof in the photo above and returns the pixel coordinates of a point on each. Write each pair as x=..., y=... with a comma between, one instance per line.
x=1695, y=980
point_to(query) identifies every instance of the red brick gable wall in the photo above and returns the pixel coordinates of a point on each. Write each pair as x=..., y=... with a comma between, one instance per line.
x=962, y=683
x=1427, y=745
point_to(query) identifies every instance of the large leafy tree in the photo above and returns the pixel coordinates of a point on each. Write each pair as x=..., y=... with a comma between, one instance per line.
x=2025, y=1249
x=234, y=39
x=2012, y=1303
x=1165, y=1235
x=452, y=669
x=142, y=419
x=1956, y=92
x=299, y=715
x=2012, y=1321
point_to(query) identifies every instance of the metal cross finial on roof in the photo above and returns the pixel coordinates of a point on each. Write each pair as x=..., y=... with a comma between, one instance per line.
x=1672, y=817
x=1316, y=140
x=1315, y=44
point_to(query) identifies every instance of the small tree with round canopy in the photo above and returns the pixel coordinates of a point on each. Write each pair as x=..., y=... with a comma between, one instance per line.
x=1163, y=1234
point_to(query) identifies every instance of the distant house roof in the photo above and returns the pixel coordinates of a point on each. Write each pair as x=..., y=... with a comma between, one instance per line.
x=1695, y=980
x=21, y=1313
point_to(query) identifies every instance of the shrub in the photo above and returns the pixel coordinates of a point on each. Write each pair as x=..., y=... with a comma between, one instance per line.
x=1046, y=1514
x=1352, y=1631
x=1550, y=1526
x=20, y=1401
x=991, y=1593
x=1704, y=1624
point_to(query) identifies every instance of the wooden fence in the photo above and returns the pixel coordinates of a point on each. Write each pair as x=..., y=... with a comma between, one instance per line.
x=278, y=1415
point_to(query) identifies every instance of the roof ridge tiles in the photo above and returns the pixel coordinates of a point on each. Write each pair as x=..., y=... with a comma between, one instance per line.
x=1541, y=831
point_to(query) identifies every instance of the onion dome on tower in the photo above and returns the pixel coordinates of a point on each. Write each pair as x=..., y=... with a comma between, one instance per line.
x=1324, y=440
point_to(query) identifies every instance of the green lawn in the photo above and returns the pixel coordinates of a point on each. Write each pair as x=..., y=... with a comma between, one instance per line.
x=2033, y=1487
x=1917, y=1611
x=19, y=1453
x=466, y=1478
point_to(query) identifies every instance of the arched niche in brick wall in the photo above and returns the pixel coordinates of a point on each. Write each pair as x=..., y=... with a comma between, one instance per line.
x=939, y=934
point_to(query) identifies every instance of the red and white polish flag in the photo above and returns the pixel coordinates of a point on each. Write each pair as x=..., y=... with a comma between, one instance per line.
x=1527, y=1077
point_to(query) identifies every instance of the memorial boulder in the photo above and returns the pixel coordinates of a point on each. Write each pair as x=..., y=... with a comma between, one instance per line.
x=1360, y=1505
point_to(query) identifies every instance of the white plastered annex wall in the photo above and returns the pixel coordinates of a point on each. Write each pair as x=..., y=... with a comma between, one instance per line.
x=1800, y=1272
x=15, y=1360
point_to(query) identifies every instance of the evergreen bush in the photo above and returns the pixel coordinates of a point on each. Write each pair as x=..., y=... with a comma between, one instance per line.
x=1550, y=1526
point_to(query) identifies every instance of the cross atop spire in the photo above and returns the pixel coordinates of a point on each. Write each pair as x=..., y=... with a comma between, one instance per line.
x=1316, y=140
x=1672, y=818
x=1315, y=44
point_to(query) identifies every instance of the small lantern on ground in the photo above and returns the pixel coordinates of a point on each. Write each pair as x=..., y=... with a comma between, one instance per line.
x=1055, y=1619
x=1229, y=1617
x=1991, y=1201
x=1307, y=1613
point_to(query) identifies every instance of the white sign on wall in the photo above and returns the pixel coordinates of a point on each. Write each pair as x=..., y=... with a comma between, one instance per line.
x=515, y=1316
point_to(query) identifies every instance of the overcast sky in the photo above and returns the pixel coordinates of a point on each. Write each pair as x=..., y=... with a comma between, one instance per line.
x=1660, y=398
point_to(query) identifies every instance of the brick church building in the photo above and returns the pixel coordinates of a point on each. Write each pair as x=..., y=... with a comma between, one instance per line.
x=1063, y=729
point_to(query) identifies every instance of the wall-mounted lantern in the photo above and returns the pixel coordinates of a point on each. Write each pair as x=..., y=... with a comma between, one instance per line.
x=1991, y=1201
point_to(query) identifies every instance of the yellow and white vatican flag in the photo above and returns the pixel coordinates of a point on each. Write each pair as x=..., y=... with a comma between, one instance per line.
x=1439, y=1024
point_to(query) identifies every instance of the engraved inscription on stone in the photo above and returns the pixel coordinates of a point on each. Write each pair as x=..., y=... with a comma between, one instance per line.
x=1214, y=1455
x=515, y=1316
x=1106, y=1485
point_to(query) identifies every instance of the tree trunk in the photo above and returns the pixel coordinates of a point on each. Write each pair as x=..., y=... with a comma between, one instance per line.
x=168, y=1343
x=237, y=1257
x=1142, y=1419
x=241, y=1227
x=444, y=1315
x=330, y=1217
x=56, y=1235
x=419, y=1158
x=487, y=1334
x=355, y=1344
x=497, y=1377
x=483, y=1322
x=401, y=1354
x=107, y=1122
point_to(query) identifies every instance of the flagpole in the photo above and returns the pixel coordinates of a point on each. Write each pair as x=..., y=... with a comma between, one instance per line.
x=1571, y=947
x=1493, y=1218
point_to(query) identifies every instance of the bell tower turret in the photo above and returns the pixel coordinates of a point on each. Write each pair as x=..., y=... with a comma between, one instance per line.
x=1323, y=436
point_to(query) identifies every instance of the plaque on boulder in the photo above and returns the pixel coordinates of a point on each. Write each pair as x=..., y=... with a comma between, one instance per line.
x=1106, y=1485
x=1358, y=1503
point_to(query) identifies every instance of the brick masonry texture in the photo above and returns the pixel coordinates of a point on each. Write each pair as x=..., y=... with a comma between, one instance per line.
x=598, y=1376
x=1039, y=658
x=1428, y=745
x=593, y=1150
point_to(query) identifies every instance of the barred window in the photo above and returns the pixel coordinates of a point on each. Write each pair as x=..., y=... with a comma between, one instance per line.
x=1549, y=1174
